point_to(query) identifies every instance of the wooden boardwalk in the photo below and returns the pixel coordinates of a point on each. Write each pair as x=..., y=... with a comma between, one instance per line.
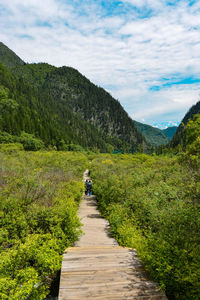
x=97, y=268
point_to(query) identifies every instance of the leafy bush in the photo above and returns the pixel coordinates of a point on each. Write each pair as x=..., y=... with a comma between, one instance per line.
x=11, y=147
x=40, y=193
x=7, y=138
x=151, y=204
x=30, y=142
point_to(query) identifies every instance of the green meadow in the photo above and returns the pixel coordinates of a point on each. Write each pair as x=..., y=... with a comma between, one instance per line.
x=152, y=204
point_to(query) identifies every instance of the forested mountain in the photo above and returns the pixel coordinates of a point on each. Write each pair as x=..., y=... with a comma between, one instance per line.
x=170, y=131
x=153, y=136
x=62, y=107
x=180, y=135
x=9, y=58
x=24, y=109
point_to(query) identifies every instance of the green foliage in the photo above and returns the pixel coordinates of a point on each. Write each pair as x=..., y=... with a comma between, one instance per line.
x=5, y=102
x=25, y=141
x=180, y=135
x=6, y=138
x=30, y=143
x=11, y=147
x=193, y=137
x=40, y=193
x=151, y=204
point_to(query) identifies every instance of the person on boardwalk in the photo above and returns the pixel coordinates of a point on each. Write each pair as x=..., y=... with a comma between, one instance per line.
x=88, y=185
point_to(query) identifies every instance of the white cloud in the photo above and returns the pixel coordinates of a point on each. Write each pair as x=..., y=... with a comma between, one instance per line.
x=156, y=4
x=129, y=53
x=173, y=102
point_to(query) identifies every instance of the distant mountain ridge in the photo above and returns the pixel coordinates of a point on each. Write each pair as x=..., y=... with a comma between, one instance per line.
x=61, y=106
x=155, y=136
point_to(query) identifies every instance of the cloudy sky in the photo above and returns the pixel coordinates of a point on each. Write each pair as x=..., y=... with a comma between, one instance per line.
x=146, y=53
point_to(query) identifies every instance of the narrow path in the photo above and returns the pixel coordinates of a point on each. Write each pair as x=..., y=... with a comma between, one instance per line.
x=95, y=227
x=97, y=268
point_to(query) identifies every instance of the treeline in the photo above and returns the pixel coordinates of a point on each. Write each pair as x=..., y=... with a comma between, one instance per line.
x=152, y=204
x=39, y=197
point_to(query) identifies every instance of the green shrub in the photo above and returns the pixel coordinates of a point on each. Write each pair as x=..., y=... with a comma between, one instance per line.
x=30, y=142
x=7, y=138
x=151, y=204
x=11, y=147
x=40, y=194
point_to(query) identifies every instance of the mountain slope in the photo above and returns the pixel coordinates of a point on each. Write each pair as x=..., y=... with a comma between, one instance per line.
x=153, y=136
x=71, y=89
x=170, y=131
x=180, y=137
x=62, y=104
x=93, y=104
x=9, y=58
x=23, y=109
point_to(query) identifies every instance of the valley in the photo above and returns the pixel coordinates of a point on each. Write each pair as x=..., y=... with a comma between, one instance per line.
x=54, y=125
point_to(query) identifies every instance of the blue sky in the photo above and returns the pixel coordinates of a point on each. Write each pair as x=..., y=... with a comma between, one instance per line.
x=146, y=53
